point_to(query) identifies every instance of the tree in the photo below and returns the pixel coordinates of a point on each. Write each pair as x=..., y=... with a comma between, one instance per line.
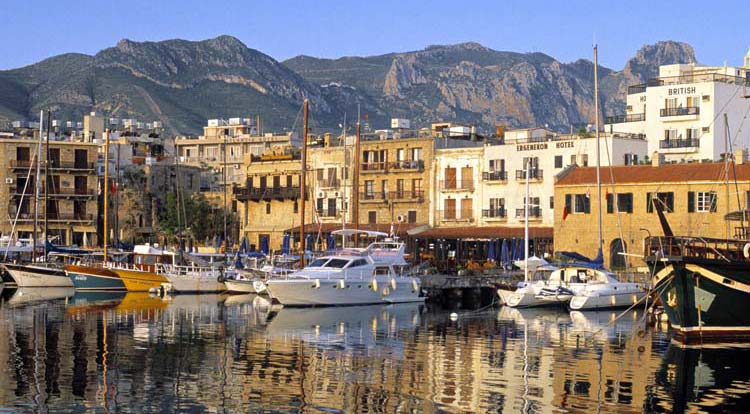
x=203, y=219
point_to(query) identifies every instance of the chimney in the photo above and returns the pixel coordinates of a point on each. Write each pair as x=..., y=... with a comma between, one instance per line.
x=657, y=159
x=740, y=156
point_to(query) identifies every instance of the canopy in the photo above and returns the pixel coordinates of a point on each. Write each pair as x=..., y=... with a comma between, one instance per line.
x=352, y=232
x=285, y=244
x=243, y=245
x=331, y=242
x=491, y=251
x=534, y=262
x=504, y=255
x=737, y=215
x=264, y=244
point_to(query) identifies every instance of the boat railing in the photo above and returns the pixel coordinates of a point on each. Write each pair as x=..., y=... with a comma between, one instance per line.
x=695, y=247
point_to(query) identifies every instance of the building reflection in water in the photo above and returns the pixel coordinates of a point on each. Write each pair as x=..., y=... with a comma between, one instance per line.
x=117, y=352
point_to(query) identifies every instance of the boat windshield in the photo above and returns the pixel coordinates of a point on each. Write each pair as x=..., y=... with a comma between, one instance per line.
x=318, y=262
x=337, y=263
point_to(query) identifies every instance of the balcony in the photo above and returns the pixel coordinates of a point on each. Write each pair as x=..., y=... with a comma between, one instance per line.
x=456, y=185
x=266, y=194
x=85, y=219
x=456, y=215
x=688, y=110
x=57, y=165
x=405, y=196
x=534, y=175
x=496, y=214
x=329, y=184
x=619, y=119
x=406, y=166
x=373, y=167
x=72, y=193
x=327, y=212
x=679, y=143
x=535, y=213
x=495, y=176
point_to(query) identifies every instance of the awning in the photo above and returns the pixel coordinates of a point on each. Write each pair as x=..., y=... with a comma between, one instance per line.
x=400, y=229
x=483, y=233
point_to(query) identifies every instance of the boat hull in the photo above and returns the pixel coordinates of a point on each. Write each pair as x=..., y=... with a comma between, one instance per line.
x=343, y=292
x=706, y=302
x=93, y=278
x=530, y=299
x=140, y=281
x=188, y=284
x=27, y=295
x=37, y=276
x=606, y=301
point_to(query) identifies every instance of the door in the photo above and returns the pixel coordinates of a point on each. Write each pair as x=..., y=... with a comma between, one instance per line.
x=81, y=158
x=450, y=178
x=467, y=178
x=466, y=210
x=81, y=184
x=449, y=209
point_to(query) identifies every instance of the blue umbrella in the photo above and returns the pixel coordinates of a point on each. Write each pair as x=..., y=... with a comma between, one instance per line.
x=491, y=251
x=512, y=247
x=238, y=262
x=243, y=245
x=519, y=250
x=331, y=242
x=504, y=257
x=264, y=244
x=309, y=242
x=285, y=244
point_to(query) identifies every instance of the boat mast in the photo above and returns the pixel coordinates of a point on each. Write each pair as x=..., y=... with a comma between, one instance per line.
x=526, y=225
x=303, y=177
x=46, y=186
x=355, y=182
x=36, y=185
x=598, y=147
x=106, y=192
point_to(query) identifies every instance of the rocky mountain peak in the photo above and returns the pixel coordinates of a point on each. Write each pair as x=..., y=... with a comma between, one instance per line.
x=645, y=64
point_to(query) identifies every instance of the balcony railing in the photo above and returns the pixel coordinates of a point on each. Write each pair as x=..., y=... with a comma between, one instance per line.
x=618, y=119
x=456, y=215
x=679, y=143
x=457, y=185
x=268, y=193
x=534, y=175
x=689, y=77
x=327, y=212
x=688, y=110
x=495, y=176
x=411, y=165
x=373, y=166
x=384, y=196
x=494, y=213
x=60, y=217
x=329, y=183
x=56, y=165
x=534, y=212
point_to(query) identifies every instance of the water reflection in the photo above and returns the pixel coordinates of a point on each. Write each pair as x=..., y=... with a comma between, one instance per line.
x=111, y=352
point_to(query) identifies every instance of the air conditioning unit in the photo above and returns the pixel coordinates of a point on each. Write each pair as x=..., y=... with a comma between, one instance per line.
x=8, y=181
x=321, y=194
x=236, y=166
x=401, y=218
x=336, y=194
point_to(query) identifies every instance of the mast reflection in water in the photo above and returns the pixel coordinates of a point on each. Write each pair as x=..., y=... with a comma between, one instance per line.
x=112, y=352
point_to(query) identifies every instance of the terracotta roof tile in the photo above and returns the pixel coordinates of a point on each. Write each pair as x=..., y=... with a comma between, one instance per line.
x=650, y=174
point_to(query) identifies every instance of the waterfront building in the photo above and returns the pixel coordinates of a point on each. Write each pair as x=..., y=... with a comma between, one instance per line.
x=226, y=144
x=71, y=207
x=268, y=201
x=697, y=198
x=682, y=111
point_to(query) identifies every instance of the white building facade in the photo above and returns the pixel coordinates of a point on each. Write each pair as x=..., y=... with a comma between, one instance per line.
x=682, y=112
x=486, y=186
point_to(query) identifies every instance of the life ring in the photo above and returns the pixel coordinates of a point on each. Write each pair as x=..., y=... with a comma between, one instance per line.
x=746, y=251
x=221, y=278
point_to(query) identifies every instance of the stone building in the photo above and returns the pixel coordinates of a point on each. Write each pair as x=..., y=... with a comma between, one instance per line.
x=697, y=197
x=71, y=206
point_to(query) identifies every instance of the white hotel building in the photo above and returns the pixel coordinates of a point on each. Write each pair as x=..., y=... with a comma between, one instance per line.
x=682, y=111
x=486, y=186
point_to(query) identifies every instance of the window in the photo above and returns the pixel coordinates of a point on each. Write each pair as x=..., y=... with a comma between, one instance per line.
x=276, y=182
x=558, y=161
x=667, y=200
x=534, y=161
x=412, y=216
x=288, y=181
x=582, y=204
x=692, y=133
x=296, y=207
x=573, y=159
x=624, y=203
x=331, y=207
x=400, y=188
x=497, y=165
x=372, y=217
x=400, y=154
x=702, y=201
x=670, y=134
x=268, y=208
x=416, y=154
x=357, y=263
x=416, y=186
x=369, y=189
x=551, y=201
x=585, y=160
x=497, y=207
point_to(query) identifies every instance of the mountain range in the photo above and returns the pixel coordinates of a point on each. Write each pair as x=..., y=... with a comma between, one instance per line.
x=183, y=83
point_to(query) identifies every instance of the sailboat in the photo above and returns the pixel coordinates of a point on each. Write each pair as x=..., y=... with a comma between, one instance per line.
x=39, y=274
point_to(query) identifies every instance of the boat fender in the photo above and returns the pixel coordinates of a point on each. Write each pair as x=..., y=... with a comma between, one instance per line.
x=342, y=284
x=316, y=285
x=414, y=285
x=746, y=251
x=374, y=285
x=393, y=284
x=386, y=291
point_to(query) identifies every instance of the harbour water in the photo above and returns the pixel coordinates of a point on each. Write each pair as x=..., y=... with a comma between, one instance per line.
x=112, y=352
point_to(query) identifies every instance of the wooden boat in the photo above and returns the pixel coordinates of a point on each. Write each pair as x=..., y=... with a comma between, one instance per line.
x=38, y=275
x=94, y=277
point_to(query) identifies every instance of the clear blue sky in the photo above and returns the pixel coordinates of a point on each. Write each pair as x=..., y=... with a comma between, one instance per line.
x=33, y=30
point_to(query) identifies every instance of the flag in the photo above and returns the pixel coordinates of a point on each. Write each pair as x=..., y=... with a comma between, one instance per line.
x=565, y=213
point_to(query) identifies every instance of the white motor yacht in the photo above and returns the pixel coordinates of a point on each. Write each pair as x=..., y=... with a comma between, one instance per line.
x=351, y=277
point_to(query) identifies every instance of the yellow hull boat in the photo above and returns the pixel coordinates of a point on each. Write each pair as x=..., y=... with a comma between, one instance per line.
x=139, y=280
